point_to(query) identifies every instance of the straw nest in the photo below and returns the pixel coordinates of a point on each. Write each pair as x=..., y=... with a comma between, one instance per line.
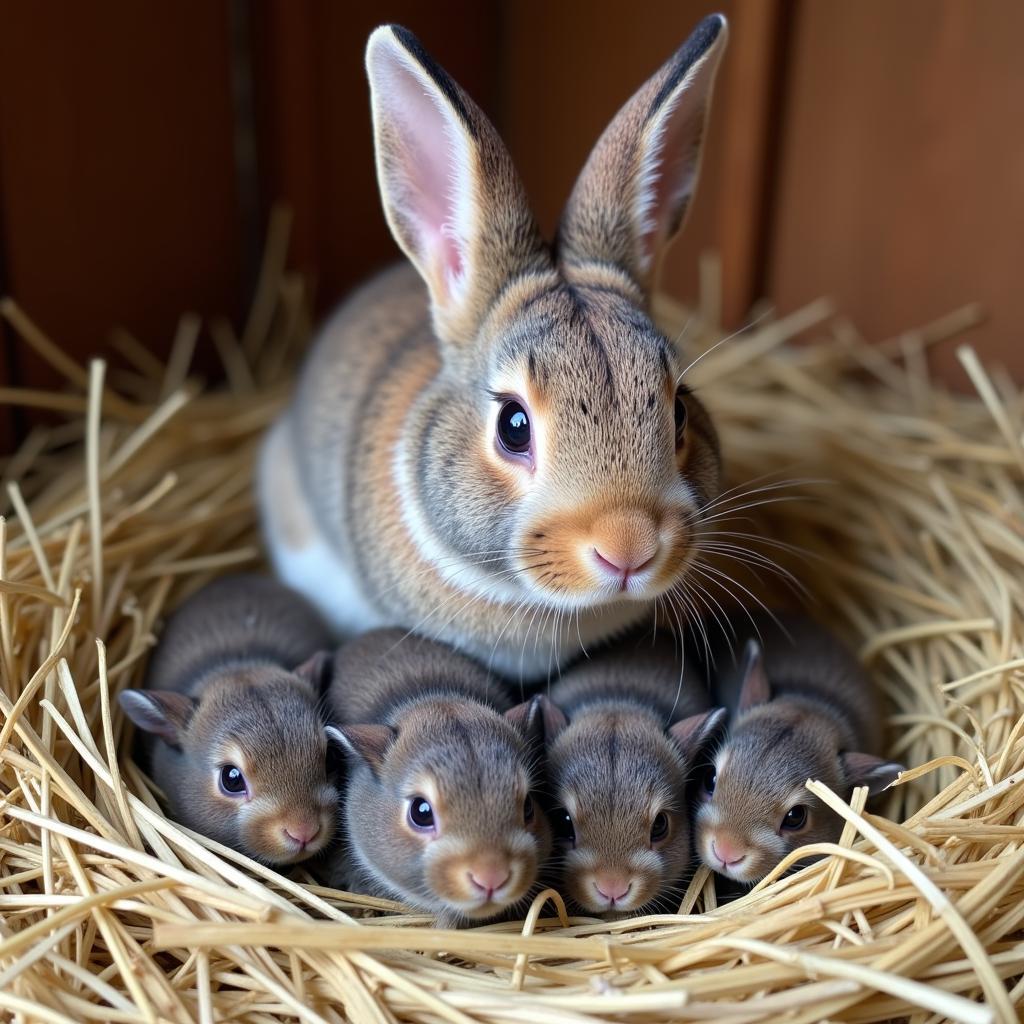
x=909, y=526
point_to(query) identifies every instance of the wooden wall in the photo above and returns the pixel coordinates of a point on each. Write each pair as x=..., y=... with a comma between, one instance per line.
x=870, y=150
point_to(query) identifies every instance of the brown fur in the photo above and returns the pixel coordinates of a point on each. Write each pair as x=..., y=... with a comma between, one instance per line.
x=422, y=721
x=806, y=710
x=223, y=689
x=392, y=429
x=634, y=724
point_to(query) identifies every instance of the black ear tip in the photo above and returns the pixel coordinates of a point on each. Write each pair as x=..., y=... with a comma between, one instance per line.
x=405, y=37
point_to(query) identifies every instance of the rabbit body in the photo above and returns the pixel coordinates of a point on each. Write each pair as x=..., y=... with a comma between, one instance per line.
x=801, y=707
x=439, y=807
x=230, y=721
x=623, y=733
x=505, y=458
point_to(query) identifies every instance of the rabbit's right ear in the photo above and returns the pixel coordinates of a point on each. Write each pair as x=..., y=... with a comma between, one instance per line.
x=756, y=688
x=632, y=196
x=451, y=195
x=165, y=713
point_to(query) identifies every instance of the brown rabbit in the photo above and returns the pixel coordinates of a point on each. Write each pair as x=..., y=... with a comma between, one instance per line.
x=232, y=729
x=511, y=448
x=439, y=807
x=803, y=709
x=623, y=731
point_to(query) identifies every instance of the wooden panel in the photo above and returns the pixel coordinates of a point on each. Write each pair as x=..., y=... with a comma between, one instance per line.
x=117, y=177
x=313, y=104
x=902, y=166
x=565, y=75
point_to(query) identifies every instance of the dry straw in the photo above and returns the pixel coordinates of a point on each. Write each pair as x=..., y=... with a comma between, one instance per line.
x=910, y=540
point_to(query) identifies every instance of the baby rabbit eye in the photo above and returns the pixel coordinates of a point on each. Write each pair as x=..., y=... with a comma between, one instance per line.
x=562, y=822
x=528, y=809
x=680, y=412
x=660, y=827
x=514, y=428
x=709, y=781
x=232, y=781
x=421, y=814
x=796, y=818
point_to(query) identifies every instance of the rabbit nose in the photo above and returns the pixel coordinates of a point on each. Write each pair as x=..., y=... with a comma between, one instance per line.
x=612, y=887
x=303, y=832
x=624, y=543
x=488, y=878
x=727, y=853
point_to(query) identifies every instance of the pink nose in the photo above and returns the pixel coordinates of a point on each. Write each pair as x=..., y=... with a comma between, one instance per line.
x=302, y=832
x=489, y=878
x=726, y=853
x=621, y=566
x=612, y=887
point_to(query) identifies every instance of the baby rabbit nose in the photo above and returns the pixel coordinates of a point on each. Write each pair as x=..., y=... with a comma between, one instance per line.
x=302, y=832
x=727, y=852
x=489, y=878
x=624, y=543
x=612, y=887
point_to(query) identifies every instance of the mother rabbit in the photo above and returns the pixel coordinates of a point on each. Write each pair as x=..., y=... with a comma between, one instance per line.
x=506, y=459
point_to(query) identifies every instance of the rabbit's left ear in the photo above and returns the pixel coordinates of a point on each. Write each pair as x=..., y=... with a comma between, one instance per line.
x=632, y=196
x=451, y=195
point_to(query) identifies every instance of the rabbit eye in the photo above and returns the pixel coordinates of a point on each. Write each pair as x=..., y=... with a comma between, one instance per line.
x=564, y=830
x=796, y=818
x=709, y=781
x=528, y=809
x=421, y=814
x=660, y=827
x=232, y=781
x=680, y=412
x=514, y=428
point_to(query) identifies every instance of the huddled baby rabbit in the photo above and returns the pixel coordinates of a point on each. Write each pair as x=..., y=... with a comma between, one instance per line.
x=508, y=434
x=231, y=720
x=624, y=729
x=800, y=707
x=440, y=807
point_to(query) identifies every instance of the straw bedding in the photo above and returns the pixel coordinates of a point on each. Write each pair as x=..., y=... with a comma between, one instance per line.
x=905, y=502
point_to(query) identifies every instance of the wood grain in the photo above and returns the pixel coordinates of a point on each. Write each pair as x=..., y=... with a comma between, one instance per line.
x=901, y=181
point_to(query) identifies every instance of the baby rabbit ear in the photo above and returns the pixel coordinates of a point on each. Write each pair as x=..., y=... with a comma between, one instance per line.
x=317, y=671
x=538, y=717
x=756, y=689
x=368, y=743
x=695, y=732
x=866, y=770
x=632, y=196
x=451, y=195
x=164, y=713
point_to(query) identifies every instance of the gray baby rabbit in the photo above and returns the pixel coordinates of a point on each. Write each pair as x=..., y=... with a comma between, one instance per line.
x=800, y=708
x=231, y=723
x=623, y=731
x=497, y=431
x=439, y=809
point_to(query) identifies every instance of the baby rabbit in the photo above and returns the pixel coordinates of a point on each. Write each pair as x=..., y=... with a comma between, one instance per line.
x=232, y=728
x=801, y=709
x=440, y=807
x=516, y=438
x=623, y=731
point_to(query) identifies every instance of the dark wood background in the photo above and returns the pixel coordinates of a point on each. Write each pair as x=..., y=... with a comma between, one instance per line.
x=873, y=151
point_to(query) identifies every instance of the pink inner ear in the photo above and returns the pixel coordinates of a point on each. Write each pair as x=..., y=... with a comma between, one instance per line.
x=427, y=149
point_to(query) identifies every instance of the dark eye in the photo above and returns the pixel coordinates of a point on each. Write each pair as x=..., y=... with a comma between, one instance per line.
x=563, y=827
x=232, y=781
x=709, y=781
x=514, y=428
x=660, y=827
x=796, y=818
x=421, y=814
x=528, y=809
x=680, y=417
